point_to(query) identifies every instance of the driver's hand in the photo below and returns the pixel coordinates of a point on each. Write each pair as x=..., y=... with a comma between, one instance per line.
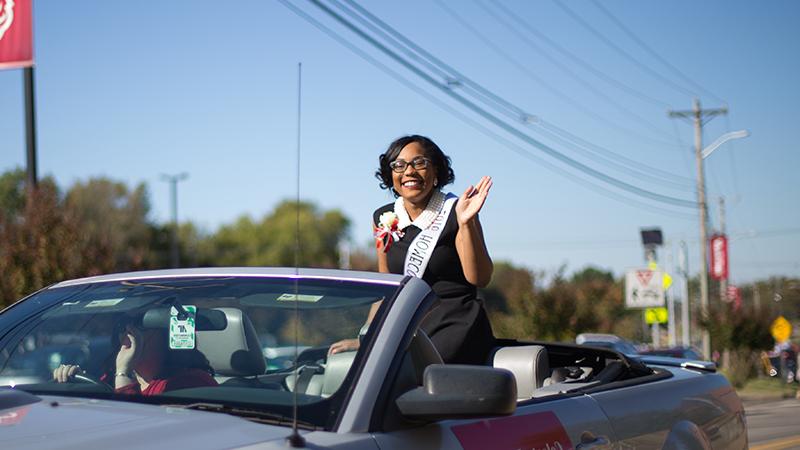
x=345, y=345
x=64, y=371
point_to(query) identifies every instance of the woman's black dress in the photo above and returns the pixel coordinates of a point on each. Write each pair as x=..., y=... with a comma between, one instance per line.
x=458, y=324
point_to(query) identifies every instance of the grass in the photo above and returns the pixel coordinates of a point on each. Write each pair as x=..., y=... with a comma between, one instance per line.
x=767, y=388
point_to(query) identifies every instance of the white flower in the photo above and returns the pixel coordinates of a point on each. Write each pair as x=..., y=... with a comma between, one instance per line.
x=388, y=220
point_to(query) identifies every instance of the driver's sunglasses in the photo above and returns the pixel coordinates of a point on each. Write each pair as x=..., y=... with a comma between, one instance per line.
x=418, y=163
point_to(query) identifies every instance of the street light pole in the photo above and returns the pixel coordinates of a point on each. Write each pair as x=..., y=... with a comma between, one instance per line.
x=173, y=181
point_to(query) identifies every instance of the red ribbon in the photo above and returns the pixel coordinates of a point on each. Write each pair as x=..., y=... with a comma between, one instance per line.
x=387, y=236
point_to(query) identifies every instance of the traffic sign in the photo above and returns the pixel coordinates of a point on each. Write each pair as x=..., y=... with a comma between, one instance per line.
x=655, y=315
x=644, y=288
x=781, y=329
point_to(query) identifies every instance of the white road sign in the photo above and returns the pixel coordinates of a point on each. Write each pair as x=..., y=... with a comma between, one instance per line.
x=644, y=288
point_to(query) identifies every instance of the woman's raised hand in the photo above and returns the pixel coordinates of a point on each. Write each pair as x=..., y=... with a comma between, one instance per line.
x=472, y=200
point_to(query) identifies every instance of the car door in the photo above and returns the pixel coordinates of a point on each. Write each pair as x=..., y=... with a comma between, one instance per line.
x=574, y=422
x=679, y=408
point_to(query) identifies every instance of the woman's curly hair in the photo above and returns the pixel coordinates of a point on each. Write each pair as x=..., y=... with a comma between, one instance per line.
x=440, y=161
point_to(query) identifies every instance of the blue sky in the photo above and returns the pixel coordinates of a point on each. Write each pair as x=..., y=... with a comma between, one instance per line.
x=131, y=90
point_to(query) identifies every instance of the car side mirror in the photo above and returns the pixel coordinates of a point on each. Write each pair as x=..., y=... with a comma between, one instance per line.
x=460, y=392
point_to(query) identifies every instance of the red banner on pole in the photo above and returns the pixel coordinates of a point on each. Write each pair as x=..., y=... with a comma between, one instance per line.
x=719, y=257
x=735, y=296
x=16, y=34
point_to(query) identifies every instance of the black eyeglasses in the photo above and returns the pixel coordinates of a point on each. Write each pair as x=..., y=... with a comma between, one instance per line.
x=418, y=163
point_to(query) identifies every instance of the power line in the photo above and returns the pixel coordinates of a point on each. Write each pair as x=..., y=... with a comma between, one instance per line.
x=543, y=37
x=453, y=78
x=652, y=52
x=498, y=122
x=449, y=74
x=621, y=51
x=570, y=139
x=523, y=68
x=667, y=177
x=594, y=186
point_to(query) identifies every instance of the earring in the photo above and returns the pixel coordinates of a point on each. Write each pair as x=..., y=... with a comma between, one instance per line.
x=436, y=182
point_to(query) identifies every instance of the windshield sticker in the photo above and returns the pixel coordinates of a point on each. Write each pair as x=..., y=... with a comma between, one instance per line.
x=300, y=298
x=181, y=327
x=102, y=303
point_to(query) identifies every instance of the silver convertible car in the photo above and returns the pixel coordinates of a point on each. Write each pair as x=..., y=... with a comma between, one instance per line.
x=175, y=359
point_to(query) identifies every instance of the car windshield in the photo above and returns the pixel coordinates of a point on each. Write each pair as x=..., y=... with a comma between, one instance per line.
x=220, y=340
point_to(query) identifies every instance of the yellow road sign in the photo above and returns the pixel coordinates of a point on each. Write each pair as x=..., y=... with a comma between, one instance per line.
x=655, y=315
x=666, y=280
x=781, y=329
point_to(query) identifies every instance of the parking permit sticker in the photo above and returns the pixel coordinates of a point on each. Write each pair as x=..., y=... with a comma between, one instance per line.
x=181, y=327
x=300, y=298
x=102, y=303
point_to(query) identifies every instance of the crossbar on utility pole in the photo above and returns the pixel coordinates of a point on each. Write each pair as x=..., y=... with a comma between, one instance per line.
x=699, y=117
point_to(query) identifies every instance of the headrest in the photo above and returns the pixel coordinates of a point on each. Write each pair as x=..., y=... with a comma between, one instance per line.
x=234, y=350
x=528, y=363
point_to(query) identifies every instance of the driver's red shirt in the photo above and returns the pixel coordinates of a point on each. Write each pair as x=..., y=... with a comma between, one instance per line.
x=187, y=378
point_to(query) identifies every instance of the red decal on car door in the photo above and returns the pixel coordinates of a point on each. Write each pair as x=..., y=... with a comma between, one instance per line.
x=540, y=431
x=13, y=416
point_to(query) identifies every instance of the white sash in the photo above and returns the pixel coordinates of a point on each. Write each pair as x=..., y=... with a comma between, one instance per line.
x=421, y=248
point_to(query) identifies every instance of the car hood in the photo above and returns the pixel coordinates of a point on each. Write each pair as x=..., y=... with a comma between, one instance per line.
x=80, y=423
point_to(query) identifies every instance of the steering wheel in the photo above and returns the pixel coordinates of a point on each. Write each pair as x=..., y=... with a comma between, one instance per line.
x=82, y=378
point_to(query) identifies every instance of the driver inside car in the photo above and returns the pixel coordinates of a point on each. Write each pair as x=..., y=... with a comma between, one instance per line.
x=145, y=365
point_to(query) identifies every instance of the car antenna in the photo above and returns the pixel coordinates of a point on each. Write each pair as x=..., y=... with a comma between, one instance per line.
x=295, y=440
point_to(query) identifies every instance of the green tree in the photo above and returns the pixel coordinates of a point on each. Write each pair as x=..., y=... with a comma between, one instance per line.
x=272, y=240
x=115, y=230
x=39, y=245
x=12, y=192
x=510, y=301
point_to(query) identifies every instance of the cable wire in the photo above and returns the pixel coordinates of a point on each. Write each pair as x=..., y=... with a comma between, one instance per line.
x=539, y=124
x=563, y=136
x=622, y=52
x=652, y=52
x=498, y=122
x=608, y=99
x=594, y=186
x=577, y=60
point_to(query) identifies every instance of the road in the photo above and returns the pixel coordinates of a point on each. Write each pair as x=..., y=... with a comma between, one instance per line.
x=774, y=425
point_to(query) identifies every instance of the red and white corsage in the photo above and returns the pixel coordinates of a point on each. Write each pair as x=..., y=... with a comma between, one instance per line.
x=387, y=231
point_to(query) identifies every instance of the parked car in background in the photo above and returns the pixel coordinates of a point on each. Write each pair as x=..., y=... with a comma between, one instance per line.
x=684, y=352
x=611, y=341
x=394, y=392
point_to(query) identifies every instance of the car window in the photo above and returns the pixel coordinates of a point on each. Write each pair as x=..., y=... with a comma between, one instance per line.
x=238, y=340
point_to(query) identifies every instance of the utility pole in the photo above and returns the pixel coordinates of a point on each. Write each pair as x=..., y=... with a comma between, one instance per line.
x=683, y=261
x=723, y=283
x=699, y=118
x=173, y=181
x=670, y=301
